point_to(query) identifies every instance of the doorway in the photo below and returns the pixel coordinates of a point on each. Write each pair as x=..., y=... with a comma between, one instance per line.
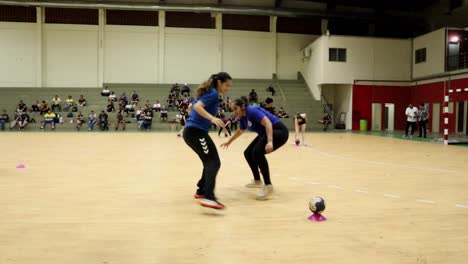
x=389, y=117
x=435, y=117
x=376, y=117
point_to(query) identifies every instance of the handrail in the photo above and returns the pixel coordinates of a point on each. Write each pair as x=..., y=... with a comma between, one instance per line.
x=277, y=84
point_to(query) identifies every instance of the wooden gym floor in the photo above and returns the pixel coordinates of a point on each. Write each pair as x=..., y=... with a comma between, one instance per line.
x=127, y=198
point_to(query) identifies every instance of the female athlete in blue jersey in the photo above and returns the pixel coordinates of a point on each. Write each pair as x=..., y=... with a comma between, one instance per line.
x=272, y=134
x=196, y=135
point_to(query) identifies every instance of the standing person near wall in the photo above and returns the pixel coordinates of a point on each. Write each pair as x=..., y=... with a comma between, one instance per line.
x=411, y=117
x=423, y=117
x=271, y=135
x=197, y=138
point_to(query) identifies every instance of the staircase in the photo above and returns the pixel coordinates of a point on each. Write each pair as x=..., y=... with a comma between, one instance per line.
x=299, y=99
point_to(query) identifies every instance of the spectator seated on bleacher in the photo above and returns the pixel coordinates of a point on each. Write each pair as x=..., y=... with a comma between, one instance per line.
x=103, y=121
x=135, y=98
x=148, y=105
x=253, y=101
x=253, y=97
x=4, y=118
x=21, y=120
x=105, y=91
x=157, y=106
x=175, y=89
x=148, y=119
x=81, y=101
x=268, y=105
x=163, y=115
x=22, y=106
x=128, y=107
x=79, y=120
x=44, y=108
x=326, y=121
x=227, y=104
x=58, y=118
x=56, y=103
x=123, y=96
x=49, y=118
x=271, y=89
x=110, y=106
x=185, y=90
x=68, y=103
x=171, y=102
x=113, y=97
x=91, y=120
x=282, y=114
x=120, y=121
x=36, y=107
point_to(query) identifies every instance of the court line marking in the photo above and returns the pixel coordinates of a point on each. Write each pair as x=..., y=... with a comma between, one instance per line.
x=392, y=196
x=361, y=191
x=382, y=163
x=425, y=201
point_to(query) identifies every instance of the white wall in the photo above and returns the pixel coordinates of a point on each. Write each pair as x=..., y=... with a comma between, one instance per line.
x=130, y=54
x=70, y=55
x=289, y=53
x=247, y=54
x=17, y=54
x=191, y=55
x=340, y=95
x=434, y=43
x=367, y=58
x=392, y=59
x=312, y=68
x=343, y=102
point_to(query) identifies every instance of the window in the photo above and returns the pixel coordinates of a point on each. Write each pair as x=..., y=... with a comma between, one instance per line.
x=335, y=54
x=190, y=20
x=420, y=55
x=55, y=15
x=246, y=22
x=132, y=17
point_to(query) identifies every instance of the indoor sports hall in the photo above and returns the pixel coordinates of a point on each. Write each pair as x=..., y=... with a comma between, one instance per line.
x=96, y=98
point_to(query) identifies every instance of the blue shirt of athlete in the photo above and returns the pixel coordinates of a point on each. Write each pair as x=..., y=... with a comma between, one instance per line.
x=210, y=100
x=253, y=118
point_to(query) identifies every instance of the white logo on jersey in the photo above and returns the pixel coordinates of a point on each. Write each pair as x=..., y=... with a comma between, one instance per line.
x=249, y=124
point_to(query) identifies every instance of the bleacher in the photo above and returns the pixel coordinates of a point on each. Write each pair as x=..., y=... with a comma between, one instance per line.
x=296, y=99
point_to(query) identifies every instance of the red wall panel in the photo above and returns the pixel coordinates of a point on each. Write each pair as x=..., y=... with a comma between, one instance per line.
x=365, y=95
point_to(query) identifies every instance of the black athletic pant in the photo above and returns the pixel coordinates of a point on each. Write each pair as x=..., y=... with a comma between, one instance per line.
x=255, y=152
x=221, y=129
x=201, y=143
x=412, y=125
x=422, y=128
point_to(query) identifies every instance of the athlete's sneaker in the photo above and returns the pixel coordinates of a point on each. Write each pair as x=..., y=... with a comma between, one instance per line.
x=254, y=184
x=211, y=203
x=265, y=192
x=198, y=196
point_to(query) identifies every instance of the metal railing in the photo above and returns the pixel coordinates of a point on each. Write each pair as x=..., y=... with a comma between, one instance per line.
x=457, y=62
x=327, y=108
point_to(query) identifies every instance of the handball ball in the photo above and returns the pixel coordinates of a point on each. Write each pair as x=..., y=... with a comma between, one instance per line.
x=297, y=142
x=317, y=205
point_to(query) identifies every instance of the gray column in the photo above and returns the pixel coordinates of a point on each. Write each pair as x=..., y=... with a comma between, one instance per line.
x=39, y=45
x=274, y=38
x=161, y=49
x=219, y=34
x=102, y=22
